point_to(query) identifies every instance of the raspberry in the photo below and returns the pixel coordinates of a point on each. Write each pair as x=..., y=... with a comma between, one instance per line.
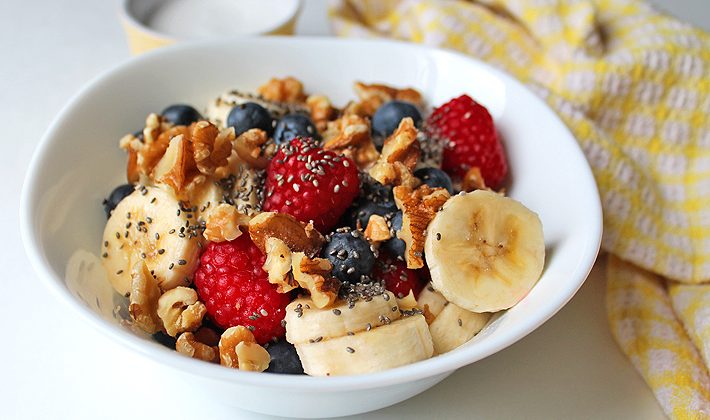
x=310, y=183
x=236, y=291
x=397, y=277
x=472, y=140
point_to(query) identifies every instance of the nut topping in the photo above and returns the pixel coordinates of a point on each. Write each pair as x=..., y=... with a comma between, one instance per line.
x=143, y=304
x=400, y=153
x=238, y=349
x=351, y=136
x=294, y=234
x=321, y=110
x=222, y=223
x=377, y=229
x=473, y=180
x=250, y=146
x=283, y=90
x=189, y=345
x=418, y=209
x=314, y=276
x=278, y=265
x=180, y=310
x=374, y=95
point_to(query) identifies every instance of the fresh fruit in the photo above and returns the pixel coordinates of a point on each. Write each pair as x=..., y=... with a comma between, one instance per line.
x=284, y=358
x=401, y=342
x=151, y=225
x=309, y=183
x=374, y=198
x=484, y=251
x=294, y=125
x=236, y=291
x=454, y=326
x=361, y=214
x=250, y=115
x=435, y=178
x=181, y=114
x=398, y=279
x=472, y=140
x=350, y=254
x=118, y=194
x=388, y=116
x=307, y=323
x=395, y=246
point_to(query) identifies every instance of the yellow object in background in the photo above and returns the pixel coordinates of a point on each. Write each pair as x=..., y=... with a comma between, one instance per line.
x=633, y=85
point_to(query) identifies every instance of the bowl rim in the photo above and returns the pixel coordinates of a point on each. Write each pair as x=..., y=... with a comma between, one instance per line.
x=425, y=369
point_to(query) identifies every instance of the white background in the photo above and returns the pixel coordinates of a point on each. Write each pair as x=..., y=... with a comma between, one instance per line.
x=53, y=365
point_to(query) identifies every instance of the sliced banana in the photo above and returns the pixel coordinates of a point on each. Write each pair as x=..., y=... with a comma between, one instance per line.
x=306, y=323
x=484, y=251
x=454, y=326
x=402, y=342
x=431, y=302
x=150, y=225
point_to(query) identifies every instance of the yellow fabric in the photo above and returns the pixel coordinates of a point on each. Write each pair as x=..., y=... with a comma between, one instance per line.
x=634, y=87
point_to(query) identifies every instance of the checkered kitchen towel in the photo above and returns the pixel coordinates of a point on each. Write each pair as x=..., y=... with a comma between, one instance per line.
x=634, y=87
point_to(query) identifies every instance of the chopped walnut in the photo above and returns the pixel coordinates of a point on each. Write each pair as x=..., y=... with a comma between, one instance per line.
x=177, y=167
x=322, y=111
x=473, y=180
x=189, y=345
x=144, y=154
x=283, y=90
x=223, y=222
x=237, y=349
x=350, y=136
x=408, y=302
x=374, y=95
x=211, y=147
x=251, y=147
x=297, y=236
x=180, y=310
x=314, y=276
x=143, y=305
x=418, y=209
x=377, y=229
x=356, y=108
x=278, y=265
x=399, y=157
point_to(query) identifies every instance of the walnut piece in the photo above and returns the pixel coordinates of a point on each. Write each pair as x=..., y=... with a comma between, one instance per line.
x=144, y=154
x=288, y=89
x=250, y=147
x=374, y=95
x=177, y=167
x=351, y=136
x=418, y=209
x=377, y=229
x=238, y=349
x=322, y=111
x=189, y=345
x=473, y=180
x=143, y=305
x=278, y=265
x=297, y=236
x=400, y=153
x=314, y=276
x=180, y=310
x=222, y=223
x=211, y=147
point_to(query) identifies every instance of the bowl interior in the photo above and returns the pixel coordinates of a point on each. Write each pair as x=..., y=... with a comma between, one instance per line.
x=78, y=163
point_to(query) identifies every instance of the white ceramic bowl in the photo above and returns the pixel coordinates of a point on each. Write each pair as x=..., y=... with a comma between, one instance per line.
x=78, y=162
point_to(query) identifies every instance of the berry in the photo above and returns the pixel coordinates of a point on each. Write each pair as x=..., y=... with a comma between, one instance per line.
x=362, y=213
x=310, y=183
x=284, y=358
x=118, y=194
x=374, y=198
x=397, y=277
x=291, y=126
x=181, y=114
x=471, y=139
x=388, y=116
x=351, y=255
x=435, y=177
x=236, y=291
x=164, y=339
x=250, y=115
x=394, y=246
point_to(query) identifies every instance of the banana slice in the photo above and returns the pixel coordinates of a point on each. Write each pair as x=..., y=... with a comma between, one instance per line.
x=315, y=324
x=484, y=251
x=454, y=326
x=150, y=225
x=431, y=302
x=402, y=342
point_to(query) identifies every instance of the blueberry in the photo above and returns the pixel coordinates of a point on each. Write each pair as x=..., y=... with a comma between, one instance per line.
x=435, y=177
x=181, y=114
x=284, y=358
x=250, y=115
x=350, y=254
x=118, y=194
x=294, y=125
x=366, y=209
x=388, y=116
x=395, y=246
x=165, y=340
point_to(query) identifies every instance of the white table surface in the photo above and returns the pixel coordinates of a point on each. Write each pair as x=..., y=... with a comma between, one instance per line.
x=53, y=365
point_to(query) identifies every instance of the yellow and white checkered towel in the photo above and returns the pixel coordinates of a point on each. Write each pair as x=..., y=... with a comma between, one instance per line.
x=634, y=87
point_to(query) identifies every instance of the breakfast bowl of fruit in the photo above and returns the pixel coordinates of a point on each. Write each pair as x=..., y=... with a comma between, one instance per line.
x=310, y=227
